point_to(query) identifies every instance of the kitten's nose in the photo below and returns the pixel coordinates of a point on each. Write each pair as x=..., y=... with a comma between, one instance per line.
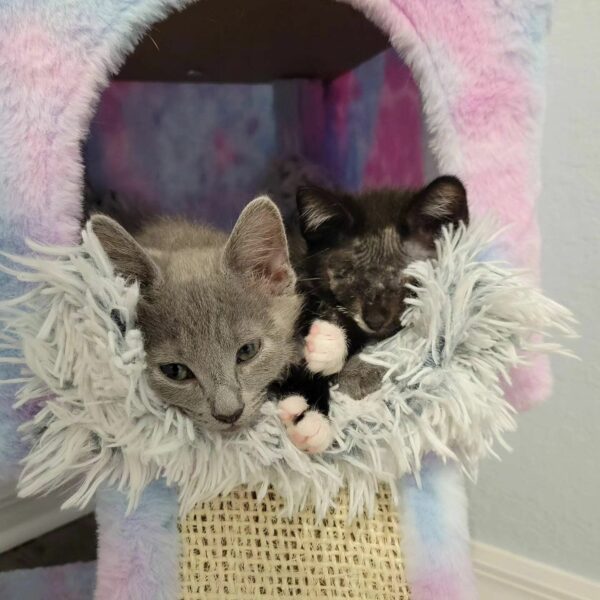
x=228, y=405
x=229, y=418
x=375, y=317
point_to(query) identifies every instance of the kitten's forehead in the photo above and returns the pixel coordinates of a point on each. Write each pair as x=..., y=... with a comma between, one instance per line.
x=188, y=265
x=207, y=311
x=380, y=208
x=377, y=246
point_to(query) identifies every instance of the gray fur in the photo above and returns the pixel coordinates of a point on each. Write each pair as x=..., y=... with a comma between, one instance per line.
x=358, y=378
x=205, y=296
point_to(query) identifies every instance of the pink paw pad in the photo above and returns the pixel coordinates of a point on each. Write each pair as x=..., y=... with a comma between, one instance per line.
x=291, y=407
x=325, y=348
x=313, y=433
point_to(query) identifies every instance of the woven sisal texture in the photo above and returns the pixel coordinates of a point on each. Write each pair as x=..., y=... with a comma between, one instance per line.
x=239, y=548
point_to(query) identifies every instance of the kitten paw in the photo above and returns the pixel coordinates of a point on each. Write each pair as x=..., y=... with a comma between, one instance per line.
x=291, y=407
x=312, y=433
x=325, y=348
x=359, y=379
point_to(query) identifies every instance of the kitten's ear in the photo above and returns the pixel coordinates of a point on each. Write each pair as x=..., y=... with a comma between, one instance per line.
x=258, y=247
x=323, y=214
x=126, y=255
x=443, y=201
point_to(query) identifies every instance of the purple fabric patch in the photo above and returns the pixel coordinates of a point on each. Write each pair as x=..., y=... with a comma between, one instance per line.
x=74, y=581
x=199, y=150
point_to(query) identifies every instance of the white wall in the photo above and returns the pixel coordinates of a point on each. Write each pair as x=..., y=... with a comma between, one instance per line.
x=543, y=501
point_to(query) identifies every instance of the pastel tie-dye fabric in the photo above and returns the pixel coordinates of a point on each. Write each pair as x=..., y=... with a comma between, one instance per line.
x=204, y=150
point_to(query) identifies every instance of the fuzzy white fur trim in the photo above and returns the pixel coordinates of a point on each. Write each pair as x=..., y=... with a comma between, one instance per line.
x=98, y=421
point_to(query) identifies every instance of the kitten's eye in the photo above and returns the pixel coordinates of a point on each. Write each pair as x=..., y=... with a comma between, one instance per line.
x=248, y=351
x=176, y=371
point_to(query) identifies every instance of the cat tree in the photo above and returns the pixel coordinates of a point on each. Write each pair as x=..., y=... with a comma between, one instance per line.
x=346, y=103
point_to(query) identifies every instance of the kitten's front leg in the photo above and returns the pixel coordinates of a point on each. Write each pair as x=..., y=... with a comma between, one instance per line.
x=303, y=408
x=308, y=429
x=358, y=378
x=305, y=414
x=325, y=348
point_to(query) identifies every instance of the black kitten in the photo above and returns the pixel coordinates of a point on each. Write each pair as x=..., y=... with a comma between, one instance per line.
x=357, y=246
x=350, y=252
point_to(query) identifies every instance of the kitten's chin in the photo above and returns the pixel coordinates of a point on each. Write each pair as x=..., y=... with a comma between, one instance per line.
x=246, y=422
x=202, y=426
x=228, y=428
x=234, y=428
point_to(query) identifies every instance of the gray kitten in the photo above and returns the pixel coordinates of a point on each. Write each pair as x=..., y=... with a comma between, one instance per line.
x=217, y=313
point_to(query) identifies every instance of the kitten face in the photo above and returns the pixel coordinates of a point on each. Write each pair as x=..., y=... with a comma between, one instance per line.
x=208, y=324
x=358, y=246
x=218, y=315
x=365, y=288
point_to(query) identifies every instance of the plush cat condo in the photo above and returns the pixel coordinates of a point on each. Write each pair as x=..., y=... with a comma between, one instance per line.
x=255, y=513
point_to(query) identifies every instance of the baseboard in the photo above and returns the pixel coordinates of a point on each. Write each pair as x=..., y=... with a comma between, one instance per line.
x=502, y=575
x=22, y=519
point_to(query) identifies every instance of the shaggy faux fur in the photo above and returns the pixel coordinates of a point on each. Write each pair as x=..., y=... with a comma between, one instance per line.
x=99, y=422
x=55, y=57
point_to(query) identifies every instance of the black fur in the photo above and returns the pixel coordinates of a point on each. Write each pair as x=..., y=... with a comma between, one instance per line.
x=350, y=252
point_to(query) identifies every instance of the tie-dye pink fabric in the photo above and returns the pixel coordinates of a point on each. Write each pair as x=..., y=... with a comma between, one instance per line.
x=203, y=150
x=365, y=126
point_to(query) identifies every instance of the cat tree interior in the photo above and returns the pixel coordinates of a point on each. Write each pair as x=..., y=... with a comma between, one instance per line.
x=240, y=41
x=167, y=145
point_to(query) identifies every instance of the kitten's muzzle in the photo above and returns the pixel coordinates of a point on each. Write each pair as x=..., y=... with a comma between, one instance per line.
x=375, y=319
x=382, y=318
x=228, y=406
x=231, y=418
